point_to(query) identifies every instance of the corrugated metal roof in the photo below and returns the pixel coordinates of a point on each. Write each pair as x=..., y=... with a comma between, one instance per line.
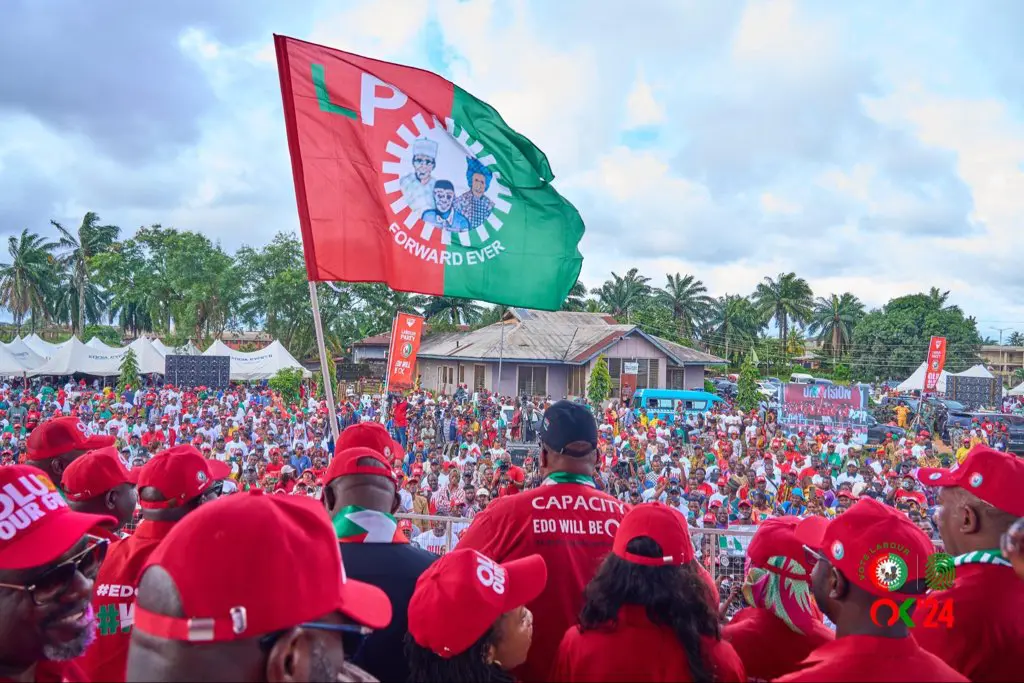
x=687, y=356
x=576, y=318
x=376, y=340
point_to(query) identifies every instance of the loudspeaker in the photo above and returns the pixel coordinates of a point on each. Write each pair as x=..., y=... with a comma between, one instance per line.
x=197, y=371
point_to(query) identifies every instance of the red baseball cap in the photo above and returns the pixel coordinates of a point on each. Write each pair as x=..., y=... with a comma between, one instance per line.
x=459, y=597
x=179, y=474
x=61, y=435
x=993, y=476
x=49, y=527
x=876, y=547
x=776, y=537
x=663, y=525
x=347, y=462
x=370, y=435
x=219, y=470
x=95, y=473
x=219, y=607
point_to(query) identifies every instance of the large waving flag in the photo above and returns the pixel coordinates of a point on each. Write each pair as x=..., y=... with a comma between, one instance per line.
x=401, y=177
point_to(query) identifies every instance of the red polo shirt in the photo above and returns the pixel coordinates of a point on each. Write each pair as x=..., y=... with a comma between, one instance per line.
x=635, y=649
x=872, y=658
x=56, y=672
x=987, y=637
x=113, y=598
x=767, y=646
x=571, y=526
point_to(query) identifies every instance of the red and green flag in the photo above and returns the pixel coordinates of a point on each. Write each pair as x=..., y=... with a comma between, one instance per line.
x=402, y=177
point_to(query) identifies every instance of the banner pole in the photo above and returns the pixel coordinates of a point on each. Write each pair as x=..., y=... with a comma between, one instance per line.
x=332, y=411
x=501, y=357
x=387, y=373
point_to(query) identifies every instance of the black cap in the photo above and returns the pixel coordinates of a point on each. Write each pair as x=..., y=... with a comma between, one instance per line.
x=566, y=422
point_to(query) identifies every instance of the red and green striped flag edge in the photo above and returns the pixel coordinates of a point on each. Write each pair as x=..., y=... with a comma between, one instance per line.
x=354, y=126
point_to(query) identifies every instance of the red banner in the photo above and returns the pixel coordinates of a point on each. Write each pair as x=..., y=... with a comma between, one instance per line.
x=405, y=344
x=936, y=362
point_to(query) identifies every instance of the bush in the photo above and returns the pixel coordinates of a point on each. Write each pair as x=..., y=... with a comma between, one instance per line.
x=600, y=383
x=287, y=381
x=106, y=334
x=129, y=372
x=747, y=396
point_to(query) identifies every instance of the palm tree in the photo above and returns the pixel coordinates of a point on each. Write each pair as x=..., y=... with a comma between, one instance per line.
x=688, y=299
x=1015, y=339
x=938, y=298
x=733, y=324
x=453, y=310
x=25, y=280
x=577, y=298
x=786, y=299
x=833, y=320
x=620, y=296
x=92, y=238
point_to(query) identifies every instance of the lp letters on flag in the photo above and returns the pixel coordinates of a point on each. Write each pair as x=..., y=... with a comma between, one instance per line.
x=404, y=178
x=405, y=344
x=936, y=362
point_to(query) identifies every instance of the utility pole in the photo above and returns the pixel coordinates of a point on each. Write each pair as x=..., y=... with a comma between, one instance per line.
x=1002, y=355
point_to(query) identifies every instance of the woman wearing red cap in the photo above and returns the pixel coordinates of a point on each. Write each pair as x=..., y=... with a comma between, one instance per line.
x=647, y=614
x=468, y=620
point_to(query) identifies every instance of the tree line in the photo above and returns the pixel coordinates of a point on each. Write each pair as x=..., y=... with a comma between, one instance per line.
x=161, y=280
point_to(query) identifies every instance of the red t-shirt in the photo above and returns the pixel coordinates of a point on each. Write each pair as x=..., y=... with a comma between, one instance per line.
x=873, y=658
x=767, y=646
x=634, y=649
x=571, y=526
x=987, y=637
x=57, y=672
x=113, y=599
x=401, y=409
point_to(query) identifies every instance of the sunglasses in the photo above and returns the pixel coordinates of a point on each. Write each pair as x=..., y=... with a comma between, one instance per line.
x=813, y=556
x=352, y=637
x=55, y=582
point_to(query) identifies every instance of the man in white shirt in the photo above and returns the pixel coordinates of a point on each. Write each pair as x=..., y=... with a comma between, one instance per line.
x=851, y=475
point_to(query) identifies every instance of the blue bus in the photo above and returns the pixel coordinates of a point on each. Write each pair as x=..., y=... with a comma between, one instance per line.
x=663, y=403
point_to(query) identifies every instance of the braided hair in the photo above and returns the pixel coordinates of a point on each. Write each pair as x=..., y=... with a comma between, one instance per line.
x=470, y=666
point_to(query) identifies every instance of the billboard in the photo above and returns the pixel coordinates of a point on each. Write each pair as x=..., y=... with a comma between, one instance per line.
x=405, y=344
x=806, y=407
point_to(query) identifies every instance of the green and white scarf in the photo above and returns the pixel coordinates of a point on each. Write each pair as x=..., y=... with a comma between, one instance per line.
x=354, y=524
x=982, y=557
x=568, y=478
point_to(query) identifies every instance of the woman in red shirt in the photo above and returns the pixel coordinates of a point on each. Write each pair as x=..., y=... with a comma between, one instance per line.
x=647, y=614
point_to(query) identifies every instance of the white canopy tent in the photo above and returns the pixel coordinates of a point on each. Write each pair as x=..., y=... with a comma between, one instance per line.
x=26, y=356
x=256, y=365
x=9, y=363
x=975, y=371
x=188, y=349
x=916, y=381
x=98, y=343
x=75, y=357
x=1017, y=390
x=39, y=345
x=151, y=361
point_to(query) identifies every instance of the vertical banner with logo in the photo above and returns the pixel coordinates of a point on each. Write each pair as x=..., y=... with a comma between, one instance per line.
x=936, y=362
x=405, y=344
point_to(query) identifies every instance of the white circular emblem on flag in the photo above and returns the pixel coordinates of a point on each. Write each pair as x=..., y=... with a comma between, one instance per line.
x=442, y=186
x=81, y=427
x=837, y=550
x=976, y=479
x=934, y=476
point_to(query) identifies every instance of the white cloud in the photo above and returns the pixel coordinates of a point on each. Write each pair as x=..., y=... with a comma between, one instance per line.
x=642, y=108
x=771, y=203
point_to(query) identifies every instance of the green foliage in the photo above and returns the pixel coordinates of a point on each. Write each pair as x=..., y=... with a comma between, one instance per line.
x=287, y=381
x=833, y=321
x=129, y=372
x=621, y=296
x=747, y=396
x=106, y=334
x=842, y=374
x=600, y=384
x=709, y=386
x=890, y=343
x=787, y=299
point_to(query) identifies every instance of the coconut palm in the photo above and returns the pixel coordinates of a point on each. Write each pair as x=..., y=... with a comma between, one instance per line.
x=688, y=299
x=833, y=319
x=577, y=298
x=24, y=281
x=91, y=239
x=786, y=300
x=620, y=296
x=453, y=310
x=733, y=324
x=1015, y=339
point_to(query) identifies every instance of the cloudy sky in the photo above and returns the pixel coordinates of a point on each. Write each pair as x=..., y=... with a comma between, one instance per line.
x=871, y=147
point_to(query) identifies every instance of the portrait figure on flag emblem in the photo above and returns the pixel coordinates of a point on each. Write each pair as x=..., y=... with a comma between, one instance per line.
x=474, y=204
x=444, y=214
x=418, y=186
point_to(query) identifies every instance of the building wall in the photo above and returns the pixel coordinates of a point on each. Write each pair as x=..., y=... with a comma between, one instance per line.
x=1002, y=360
x=361, y=354
x=636, y=347
x=693, y=377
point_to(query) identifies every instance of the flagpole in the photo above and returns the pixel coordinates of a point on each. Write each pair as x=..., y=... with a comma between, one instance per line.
x=387, y=373
x=501, y=356
x=322, y=348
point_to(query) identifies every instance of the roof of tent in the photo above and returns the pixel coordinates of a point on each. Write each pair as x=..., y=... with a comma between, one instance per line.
x=189, y=349
x=98, y=343
x=151, y=361
x=9, y=363
x=256, y=365
x=39, y=345
x=975, y=371
x=75, y=357
x=26, y=356
x=1017, y=390
x=916, y=381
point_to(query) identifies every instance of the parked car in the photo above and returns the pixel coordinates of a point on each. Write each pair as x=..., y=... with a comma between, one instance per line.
x=877, y=431
x=726, y=389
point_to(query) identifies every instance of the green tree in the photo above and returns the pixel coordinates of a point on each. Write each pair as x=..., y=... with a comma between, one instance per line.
x=620, y=296
x=79, y=248
x=787, y=299
x=1015, y=339
x=287, y=381
x=129, y=372
x=733, y=325
x=832, y=322
x=687, y=299
x=891, y=342
x=106, y=334
x=747, y=395
x=842, y=373
x=452, y=311
x=600, y=384
x=25, y=279
x=577, y=298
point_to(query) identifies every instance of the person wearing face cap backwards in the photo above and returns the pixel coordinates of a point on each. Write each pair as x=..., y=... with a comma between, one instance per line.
x=55, y=444
x=361, y=497
x=171, y=486
x=847, y=554
x=48, y=561
x=979, y=501
x=566, y=520
x=205, y=611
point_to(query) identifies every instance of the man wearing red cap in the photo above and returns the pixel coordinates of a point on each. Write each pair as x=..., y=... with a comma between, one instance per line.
x=55, y=444
x=361, y=497
x=871, y=552
x=241, y=613
x=566, y=520
x=99, y=483
x=978, y=502
x=171, y=485
x=48, y=562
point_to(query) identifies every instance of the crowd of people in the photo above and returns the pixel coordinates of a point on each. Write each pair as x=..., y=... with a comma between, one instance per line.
x=172, y=533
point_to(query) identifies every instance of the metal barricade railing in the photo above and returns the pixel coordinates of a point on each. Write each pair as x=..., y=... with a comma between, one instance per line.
x=449, y=527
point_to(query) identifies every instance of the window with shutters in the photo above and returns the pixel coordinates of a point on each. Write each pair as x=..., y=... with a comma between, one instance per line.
x=578, y=381
x=532, y=380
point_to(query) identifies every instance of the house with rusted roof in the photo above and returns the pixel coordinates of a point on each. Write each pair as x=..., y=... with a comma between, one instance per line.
x=553, y=353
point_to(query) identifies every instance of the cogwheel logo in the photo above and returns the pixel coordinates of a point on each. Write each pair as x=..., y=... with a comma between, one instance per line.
x=888, y=571
x=940, y=572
